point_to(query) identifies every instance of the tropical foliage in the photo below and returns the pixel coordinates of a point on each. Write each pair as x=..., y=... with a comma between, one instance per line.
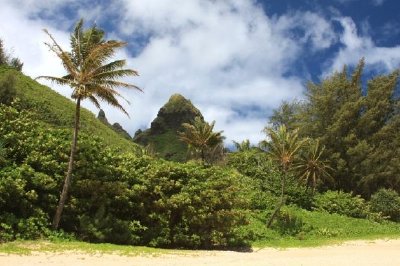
x=327, y=169
x=202, y=141
x=309, y=166
x=91, y=76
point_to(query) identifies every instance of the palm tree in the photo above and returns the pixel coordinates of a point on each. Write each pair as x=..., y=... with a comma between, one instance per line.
x=242, y=146
x=310, y=167
x=201, y=139
x=91, y=76
x=282, y=148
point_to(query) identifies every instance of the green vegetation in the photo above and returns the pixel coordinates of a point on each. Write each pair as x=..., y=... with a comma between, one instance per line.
x=301, y=228
x=328, y=170
x=91, y=77
x=24, y=247
x=136, y=200
x=359, y=130
x=48, y=106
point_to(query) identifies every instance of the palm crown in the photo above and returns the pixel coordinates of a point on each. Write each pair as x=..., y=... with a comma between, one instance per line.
x=89, y=73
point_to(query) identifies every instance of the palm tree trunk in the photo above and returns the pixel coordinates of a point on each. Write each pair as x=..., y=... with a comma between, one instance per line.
x=67, y=180
x=281, y=202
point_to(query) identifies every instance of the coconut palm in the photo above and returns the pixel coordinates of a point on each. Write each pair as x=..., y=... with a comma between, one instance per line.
x=310, y=167
x=282, y=147
x=201, y=139
x=91, y=76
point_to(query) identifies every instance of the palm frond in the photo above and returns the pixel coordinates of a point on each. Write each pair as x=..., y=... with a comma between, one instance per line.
x=60, y=81
x=113, y=74
x=65, y=57
x=94, y=101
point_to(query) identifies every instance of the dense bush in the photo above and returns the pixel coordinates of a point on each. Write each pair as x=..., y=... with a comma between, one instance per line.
x=186, y=204
x=386, y=202
x=341, y=203
x=117, y=198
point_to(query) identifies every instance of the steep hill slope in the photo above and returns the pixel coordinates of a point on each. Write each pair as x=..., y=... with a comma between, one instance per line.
x=52, y=108
x=162, y=135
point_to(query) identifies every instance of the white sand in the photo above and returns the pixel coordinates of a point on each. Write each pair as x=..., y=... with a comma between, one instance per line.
x=376, y=252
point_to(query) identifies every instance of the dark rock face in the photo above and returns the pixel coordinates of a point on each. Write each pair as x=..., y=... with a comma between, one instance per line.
x=102, y=117
x=162, y=134
x=116, y=126
x=176, y=111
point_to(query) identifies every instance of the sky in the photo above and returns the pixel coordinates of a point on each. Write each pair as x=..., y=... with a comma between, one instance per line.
x=235, y=60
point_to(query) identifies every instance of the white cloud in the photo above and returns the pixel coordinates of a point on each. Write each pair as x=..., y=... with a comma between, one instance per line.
x=26, y=38
x=356, y=46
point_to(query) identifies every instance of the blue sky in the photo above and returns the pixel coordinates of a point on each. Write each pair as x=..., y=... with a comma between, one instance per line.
x=236, y=60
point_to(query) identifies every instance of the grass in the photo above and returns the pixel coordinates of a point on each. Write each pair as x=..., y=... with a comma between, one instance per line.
x=319, y=228
x=25, y=247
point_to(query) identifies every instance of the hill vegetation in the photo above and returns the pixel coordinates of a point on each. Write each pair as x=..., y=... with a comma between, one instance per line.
x=51, y=108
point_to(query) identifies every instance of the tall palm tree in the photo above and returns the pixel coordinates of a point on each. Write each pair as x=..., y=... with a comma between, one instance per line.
x=282, y=148
x=201, y=139
x=91, y=76
x=310, y=167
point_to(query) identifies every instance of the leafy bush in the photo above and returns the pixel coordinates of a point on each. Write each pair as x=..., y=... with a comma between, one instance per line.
x=187, y=205
x=341, y=203
x=267, y=180
x=386, y=202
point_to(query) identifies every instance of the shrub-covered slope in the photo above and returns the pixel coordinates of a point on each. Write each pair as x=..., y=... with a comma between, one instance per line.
x=50, y=107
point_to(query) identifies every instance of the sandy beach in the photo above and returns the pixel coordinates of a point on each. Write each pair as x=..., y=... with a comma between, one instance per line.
x=374, y=252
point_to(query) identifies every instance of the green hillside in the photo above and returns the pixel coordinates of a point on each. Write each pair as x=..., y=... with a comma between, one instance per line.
x=57, y=110
x=162, y=136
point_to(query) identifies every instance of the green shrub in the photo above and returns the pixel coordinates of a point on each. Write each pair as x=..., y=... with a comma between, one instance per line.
x=188, y=205
x=7, y=89
x=386, y=202
x=341, y=203
x=289, y=223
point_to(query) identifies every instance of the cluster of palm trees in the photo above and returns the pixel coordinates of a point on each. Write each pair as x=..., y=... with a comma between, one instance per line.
x=293, y=155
